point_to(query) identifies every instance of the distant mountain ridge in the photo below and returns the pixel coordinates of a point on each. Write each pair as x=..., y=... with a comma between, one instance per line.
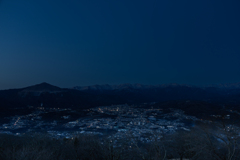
x=226, y=85
x=142, y=86
x=101, y=95
x=125, y=86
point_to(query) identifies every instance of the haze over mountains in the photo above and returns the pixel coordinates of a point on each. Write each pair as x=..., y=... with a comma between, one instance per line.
x=48, y=95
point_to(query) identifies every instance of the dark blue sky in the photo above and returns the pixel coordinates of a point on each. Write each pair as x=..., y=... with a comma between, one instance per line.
x=85, y=42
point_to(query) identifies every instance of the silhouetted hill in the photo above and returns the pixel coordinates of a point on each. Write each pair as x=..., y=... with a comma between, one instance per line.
x=39, y=89
x=42, y=87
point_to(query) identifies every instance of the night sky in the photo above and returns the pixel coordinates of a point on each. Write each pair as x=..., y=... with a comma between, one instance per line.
x=86, y=42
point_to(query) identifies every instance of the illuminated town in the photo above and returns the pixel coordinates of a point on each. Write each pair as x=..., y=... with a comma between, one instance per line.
x=116, y=121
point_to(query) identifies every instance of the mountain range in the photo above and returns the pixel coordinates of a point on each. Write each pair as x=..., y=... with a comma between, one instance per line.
x=141, y=86
x=47, y=95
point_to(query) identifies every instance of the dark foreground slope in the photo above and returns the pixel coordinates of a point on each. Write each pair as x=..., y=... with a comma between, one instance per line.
x=201, y=143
